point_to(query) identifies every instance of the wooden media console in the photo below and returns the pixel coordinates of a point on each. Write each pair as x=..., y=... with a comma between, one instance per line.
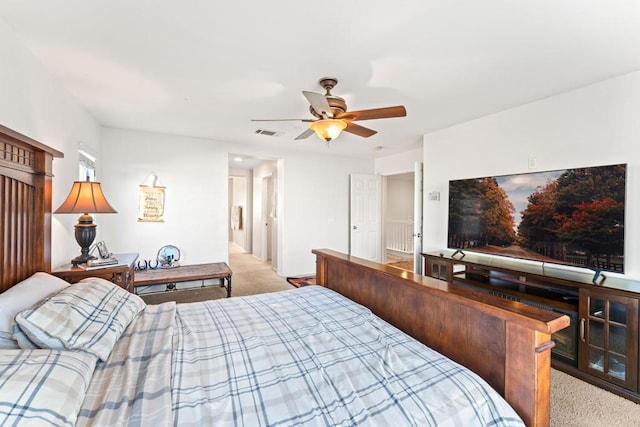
x=601, y=344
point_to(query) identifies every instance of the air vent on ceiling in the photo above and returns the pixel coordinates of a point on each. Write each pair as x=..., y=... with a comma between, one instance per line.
x=267, y=132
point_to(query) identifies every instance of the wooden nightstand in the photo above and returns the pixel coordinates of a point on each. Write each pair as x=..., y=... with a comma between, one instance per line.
x=122, y=274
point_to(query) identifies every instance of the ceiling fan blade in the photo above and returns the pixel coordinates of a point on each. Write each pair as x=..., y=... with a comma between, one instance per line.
x=306, y=134
x=359, y=130
x=319, y=103
x=375, y=113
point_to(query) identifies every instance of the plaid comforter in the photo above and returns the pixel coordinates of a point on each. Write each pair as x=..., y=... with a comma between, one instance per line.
x=302, y=357
x=133, y=386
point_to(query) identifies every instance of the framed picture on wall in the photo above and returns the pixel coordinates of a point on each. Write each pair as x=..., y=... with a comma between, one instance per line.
x=151, y=204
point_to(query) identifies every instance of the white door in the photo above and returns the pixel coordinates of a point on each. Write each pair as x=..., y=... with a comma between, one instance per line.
x=365, y=217
x=417, y=219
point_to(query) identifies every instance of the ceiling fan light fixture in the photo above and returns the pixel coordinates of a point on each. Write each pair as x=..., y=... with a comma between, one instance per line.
x=328, y=129
x=331, y=116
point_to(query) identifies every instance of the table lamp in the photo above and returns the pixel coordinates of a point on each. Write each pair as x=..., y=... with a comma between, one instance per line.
x=84, y=198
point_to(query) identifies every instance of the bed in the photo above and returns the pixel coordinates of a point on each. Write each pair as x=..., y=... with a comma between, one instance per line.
x=347, y=352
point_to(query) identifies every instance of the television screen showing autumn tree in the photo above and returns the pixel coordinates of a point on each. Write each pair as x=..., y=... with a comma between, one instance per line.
x=571, y=216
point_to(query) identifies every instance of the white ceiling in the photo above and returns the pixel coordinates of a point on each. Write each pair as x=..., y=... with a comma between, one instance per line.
x=204, y=68
x=244, y=161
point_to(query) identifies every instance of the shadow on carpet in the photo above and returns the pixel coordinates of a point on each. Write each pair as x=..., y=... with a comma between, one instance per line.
x=302, y=281
x=186, y=295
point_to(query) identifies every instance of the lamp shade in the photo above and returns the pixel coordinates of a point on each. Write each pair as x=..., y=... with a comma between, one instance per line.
x=328, y=129
x=85, y=197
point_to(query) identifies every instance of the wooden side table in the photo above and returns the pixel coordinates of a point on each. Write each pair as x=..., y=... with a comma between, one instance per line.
x=122, y=274
x=186, y=273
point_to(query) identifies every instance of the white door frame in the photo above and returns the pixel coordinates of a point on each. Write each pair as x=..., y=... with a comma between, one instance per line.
x=247, y=211
x=266, y=219
x=417, y=218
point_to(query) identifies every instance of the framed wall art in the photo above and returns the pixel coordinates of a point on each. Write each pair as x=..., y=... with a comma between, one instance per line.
x=151, y=201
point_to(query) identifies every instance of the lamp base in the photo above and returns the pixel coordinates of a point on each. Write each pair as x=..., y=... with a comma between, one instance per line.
x=82, y=259
x=85, y=232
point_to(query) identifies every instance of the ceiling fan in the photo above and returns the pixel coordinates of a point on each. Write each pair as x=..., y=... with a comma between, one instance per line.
x=332, y=117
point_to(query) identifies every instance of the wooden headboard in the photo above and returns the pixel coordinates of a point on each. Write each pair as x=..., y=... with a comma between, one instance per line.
x=25, y=206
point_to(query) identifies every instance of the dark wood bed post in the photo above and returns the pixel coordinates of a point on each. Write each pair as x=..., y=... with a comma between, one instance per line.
x=505, y=342
x=44, y=196
x=26, y=173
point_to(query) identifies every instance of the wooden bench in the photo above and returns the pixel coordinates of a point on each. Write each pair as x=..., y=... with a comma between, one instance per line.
x=185, y=273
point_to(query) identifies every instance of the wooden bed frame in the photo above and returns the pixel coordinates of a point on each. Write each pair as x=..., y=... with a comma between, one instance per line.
x=25, y=206
x=506, y=343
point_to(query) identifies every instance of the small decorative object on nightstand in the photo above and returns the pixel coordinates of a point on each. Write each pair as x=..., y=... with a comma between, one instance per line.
x=168, y=257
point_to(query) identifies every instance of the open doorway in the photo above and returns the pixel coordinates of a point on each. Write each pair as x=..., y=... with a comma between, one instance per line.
x=268, y=222
x=398, y=220
x=240, y=210
x=386, y=218
x=402, y=220
x=252, y=207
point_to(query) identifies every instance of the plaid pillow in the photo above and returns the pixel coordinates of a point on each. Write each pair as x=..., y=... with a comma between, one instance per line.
x=26, y=294
x=43, y=387
x=89, y=315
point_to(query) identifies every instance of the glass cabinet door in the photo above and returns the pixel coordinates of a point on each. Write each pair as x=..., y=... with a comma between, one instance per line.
x=608, y=337
x=438, y=269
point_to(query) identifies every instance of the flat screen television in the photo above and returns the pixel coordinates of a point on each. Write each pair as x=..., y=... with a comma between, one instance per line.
x=571, y=216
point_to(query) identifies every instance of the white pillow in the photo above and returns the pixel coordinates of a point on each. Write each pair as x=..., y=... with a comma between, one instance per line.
x=25, y=295
x=43, y=387
x=9, y=343
x=21, y=339
x=90, y=315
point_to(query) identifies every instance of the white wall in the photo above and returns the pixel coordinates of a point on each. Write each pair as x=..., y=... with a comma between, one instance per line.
x=238, y=197
x=266, y=169
x=398, y=163
x=195, y=175
x=313, y=200
x=247, y=211
x=34, y=104
x=595, y=125
x=399, y=198
x=315, y=210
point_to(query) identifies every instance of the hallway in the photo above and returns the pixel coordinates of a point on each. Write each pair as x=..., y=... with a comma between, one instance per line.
x=250, y=276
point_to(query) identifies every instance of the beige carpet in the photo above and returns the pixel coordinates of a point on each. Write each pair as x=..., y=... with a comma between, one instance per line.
x=574, y=403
